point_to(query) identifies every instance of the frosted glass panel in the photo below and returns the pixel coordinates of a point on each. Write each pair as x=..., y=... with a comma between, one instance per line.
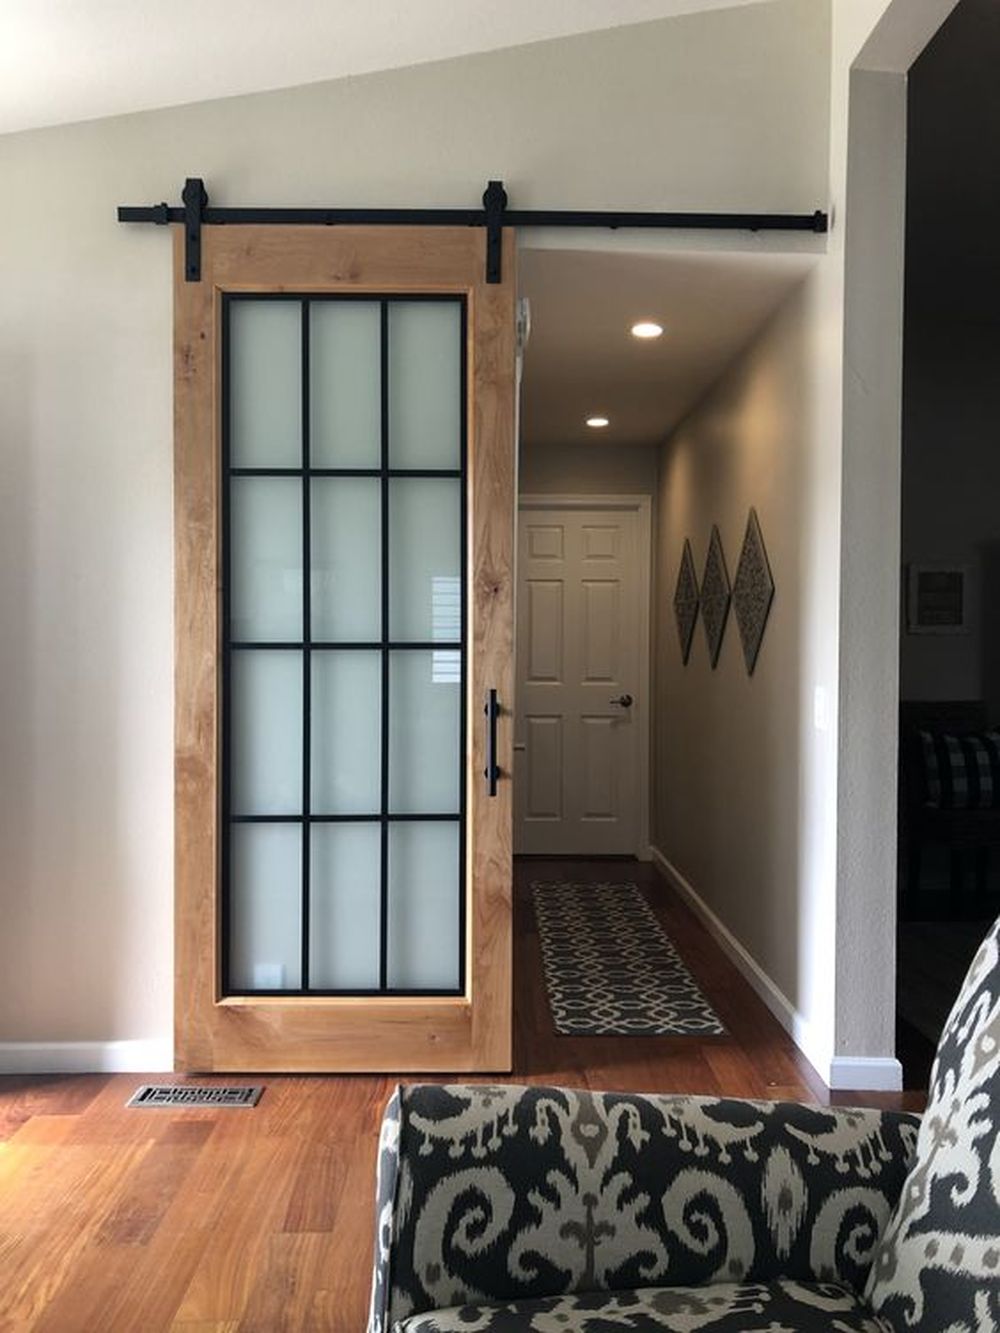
x=265, y=383
x=424, y=749
x=424, y=559
x=346, y=733
x=344, y=880
x=425, y=384
x=346, y=565
x=265, y=907
x=423, y=906
x=345, y=351
x=266, y=558
x=266, y=732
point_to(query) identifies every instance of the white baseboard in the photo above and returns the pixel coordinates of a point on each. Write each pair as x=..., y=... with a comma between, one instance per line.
x=150, y=1056
x=869, y=1073
x=865, y=1074
x=775, y=999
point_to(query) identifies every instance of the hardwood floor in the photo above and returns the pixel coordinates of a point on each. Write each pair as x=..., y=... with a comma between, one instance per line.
x=234, y=1221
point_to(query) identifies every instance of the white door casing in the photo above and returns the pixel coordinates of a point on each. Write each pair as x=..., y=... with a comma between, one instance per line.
x=581, y=755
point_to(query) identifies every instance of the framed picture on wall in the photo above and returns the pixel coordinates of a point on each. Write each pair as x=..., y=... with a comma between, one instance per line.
x=938, y=599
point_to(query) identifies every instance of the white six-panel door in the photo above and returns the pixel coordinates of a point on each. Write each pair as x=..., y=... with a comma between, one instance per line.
x=578, y=738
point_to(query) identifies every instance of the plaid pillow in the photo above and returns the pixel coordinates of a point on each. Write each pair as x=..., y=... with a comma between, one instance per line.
x=961, y=772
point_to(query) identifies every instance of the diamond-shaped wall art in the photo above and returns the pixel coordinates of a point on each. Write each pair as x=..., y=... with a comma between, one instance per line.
x=686, y=601
x=753, y=592
x=715, y=596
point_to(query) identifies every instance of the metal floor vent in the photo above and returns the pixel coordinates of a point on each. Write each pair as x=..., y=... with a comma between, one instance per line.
x=190, y=1094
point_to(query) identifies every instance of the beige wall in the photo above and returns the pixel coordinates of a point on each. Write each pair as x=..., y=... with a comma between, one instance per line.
x=819, y=920
x=728, y=794
x=689, y=113
x=596, y=469
x=819, y=915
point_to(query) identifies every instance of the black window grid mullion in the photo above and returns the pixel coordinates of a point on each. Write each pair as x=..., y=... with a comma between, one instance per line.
x=355, y=992
x=384, y=645
x=463, y=586
x=424, y=817
x=353, y=645
x=306, y=867
x=225, y=794
x=452, y=472
x=383, y=919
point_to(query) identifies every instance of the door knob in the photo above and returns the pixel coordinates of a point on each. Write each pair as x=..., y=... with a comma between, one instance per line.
x=623, y=701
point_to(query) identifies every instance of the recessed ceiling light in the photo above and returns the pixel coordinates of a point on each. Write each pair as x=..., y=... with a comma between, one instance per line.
x=597, y=422
x=646, y=328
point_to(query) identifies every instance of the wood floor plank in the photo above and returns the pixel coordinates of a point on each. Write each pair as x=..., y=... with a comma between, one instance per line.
x=155, y=1183
x=155, y=1281
x=205, y=1326
x=213, y=1220
x=317, y=1188
x=255, y=1203
x=60, y=1094
x=41, y=1130
x=291, y=1293
x=81, y=1304
x=733, y=1067
x=53, y=1205
x=61, y=1184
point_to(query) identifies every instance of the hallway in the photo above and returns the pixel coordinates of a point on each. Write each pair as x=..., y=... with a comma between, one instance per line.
x=756, y=1059
x=262, y=1220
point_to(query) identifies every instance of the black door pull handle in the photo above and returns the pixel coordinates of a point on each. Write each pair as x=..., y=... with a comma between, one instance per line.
x=492, y=770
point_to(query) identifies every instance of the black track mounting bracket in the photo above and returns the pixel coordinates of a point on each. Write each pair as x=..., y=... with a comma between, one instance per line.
x=494, y=203
x=195, y=199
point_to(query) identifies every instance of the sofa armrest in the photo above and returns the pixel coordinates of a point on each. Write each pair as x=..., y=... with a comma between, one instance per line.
x=388, y=1221
x=501, y=1193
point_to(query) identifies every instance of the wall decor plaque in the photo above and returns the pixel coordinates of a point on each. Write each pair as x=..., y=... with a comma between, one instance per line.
x=716, y=595
x=686, y=601
x=753, y=591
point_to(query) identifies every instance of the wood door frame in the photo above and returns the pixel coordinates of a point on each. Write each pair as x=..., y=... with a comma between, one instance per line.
x=642, y=507
x=386, y=1034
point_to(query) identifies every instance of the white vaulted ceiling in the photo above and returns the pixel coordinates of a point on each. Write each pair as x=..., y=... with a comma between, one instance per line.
x=67, y=60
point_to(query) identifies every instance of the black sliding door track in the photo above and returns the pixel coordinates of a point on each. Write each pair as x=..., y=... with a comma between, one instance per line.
x=494, y=215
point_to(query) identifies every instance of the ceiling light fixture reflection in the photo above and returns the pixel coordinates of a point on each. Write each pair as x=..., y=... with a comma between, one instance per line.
x=598, y=423
x=647, y=328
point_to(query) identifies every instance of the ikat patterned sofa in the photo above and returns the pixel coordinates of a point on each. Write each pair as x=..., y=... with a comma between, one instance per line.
x=549, y=1210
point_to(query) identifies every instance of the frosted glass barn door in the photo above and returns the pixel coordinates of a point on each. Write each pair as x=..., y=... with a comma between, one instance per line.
x=345, y=518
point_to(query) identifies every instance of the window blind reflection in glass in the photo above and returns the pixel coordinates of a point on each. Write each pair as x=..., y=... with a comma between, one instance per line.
x=424, y=559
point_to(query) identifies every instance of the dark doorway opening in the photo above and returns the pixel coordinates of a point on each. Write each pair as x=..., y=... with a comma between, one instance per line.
x=949, y=864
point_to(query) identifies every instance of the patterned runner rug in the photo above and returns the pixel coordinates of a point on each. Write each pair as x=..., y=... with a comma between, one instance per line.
x=610, y=969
